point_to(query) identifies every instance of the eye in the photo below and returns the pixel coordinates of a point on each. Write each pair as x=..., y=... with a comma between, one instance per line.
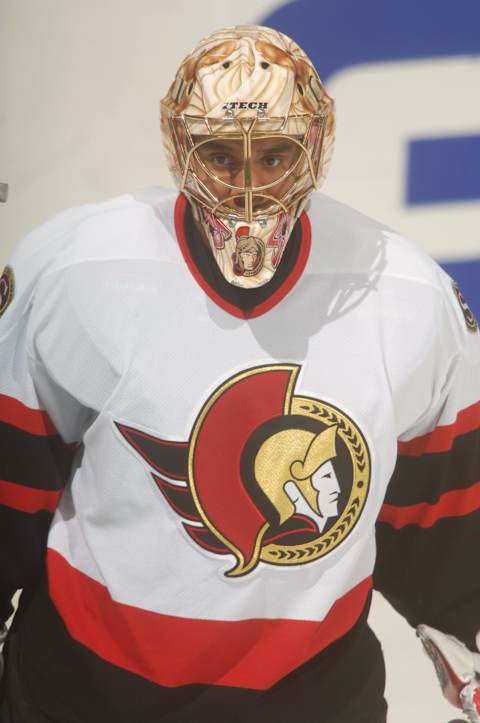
x=264, y=64
x=271, y=161
x=226, y=64
x=221, y=160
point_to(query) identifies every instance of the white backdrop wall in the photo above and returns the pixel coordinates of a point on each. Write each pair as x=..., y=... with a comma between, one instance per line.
x=80, y=84
x=80, y=87
x=79, y=93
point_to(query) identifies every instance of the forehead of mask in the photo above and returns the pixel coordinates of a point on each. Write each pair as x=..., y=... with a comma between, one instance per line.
x=242, y=69
x=271, y=160
x=246, y=63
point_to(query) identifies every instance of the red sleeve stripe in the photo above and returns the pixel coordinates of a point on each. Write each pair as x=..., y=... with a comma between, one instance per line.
x=253, y=653
x=455, y=503
x=34, y=421
x=27, y=499
x=441, y=438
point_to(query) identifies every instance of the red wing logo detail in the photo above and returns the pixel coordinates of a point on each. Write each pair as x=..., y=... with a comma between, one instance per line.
x=277, y=239
x=220, y=232
x=266, y=476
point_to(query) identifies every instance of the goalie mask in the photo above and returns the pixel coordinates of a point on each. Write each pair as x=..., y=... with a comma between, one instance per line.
x=248, y=130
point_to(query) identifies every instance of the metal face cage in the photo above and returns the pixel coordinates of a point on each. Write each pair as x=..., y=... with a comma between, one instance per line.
x=241, y=191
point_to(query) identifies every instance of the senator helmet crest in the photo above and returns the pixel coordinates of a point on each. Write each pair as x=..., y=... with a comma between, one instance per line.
x=267, y=476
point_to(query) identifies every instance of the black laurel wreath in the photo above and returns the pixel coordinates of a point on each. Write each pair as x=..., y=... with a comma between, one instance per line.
x=332, y=537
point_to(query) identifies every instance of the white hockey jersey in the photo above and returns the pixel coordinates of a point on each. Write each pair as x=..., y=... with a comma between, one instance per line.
x=216, y=468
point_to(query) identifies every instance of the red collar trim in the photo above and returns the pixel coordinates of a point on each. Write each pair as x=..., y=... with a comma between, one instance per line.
x=275, y=298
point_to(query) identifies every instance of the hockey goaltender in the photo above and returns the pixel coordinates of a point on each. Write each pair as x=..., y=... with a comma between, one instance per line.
x=227, y=414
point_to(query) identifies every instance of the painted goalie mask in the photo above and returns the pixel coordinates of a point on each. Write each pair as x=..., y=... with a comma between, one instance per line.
x=248, y=130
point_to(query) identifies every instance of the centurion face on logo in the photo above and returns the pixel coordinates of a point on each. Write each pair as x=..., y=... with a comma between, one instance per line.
x=284, y=483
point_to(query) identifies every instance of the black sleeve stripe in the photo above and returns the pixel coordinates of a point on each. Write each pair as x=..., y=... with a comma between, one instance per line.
x=22, y=552
x=40, y=462
x=430, y=575
x=425, y=478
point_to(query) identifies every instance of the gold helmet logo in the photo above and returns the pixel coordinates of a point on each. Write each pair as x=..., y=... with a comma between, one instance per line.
x=275, y=471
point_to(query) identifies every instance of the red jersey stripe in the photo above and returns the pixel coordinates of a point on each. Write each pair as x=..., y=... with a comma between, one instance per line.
x=17, y=414
x=173, y=651
x=455, y=503
x=28, y=499
x=441, y=438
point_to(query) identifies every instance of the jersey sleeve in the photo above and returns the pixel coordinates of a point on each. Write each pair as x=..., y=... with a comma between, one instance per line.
x=428, y=530
x=45, y=407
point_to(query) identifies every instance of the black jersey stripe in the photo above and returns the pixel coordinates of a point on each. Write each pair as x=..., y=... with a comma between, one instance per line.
x=430, y=574
x=40, y=462
x=116, y=694
x=425, y=478
x=22, y=552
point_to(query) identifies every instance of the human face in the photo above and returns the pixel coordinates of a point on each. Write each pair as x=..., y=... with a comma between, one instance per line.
x=325, y=481
x=249, y=259
x=226, y=169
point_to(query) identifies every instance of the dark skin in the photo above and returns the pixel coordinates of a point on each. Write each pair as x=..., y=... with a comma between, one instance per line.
x=271, y=159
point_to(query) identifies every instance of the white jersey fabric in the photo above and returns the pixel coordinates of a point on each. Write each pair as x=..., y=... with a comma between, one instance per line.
x=111, y=334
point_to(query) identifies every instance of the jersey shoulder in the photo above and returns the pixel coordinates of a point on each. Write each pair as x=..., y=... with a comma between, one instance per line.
x=132, y=227
x=345, y=241
x=408, y=287
x=129, y=227
x=132, y=223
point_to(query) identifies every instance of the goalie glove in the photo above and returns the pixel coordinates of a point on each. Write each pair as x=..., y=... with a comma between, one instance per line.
x=457, y=668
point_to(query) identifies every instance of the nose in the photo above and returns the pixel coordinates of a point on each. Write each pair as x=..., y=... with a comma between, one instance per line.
x=238, y=177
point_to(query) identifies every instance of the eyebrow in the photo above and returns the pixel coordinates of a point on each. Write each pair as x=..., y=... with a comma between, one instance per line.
x=280, y=148
x=227, y=148
x=219, y=146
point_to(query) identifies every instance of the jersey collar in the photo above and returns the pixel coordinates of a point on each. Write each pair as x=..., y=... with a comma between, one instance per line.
x=271, y=300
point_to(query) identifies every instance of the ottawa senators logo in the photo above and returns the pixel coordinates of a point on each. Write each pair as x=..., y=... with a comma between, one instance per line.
x=266, y=476
x=249, y=254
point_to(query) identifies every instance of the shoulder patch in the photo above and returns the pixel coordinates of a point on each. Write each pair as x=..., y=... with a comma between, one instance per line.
x=470, y=319
x=7, y=288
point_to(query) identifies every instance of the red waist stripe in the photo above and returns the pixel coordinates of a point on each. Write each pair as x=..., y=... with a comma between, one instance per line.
x=174, y=651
